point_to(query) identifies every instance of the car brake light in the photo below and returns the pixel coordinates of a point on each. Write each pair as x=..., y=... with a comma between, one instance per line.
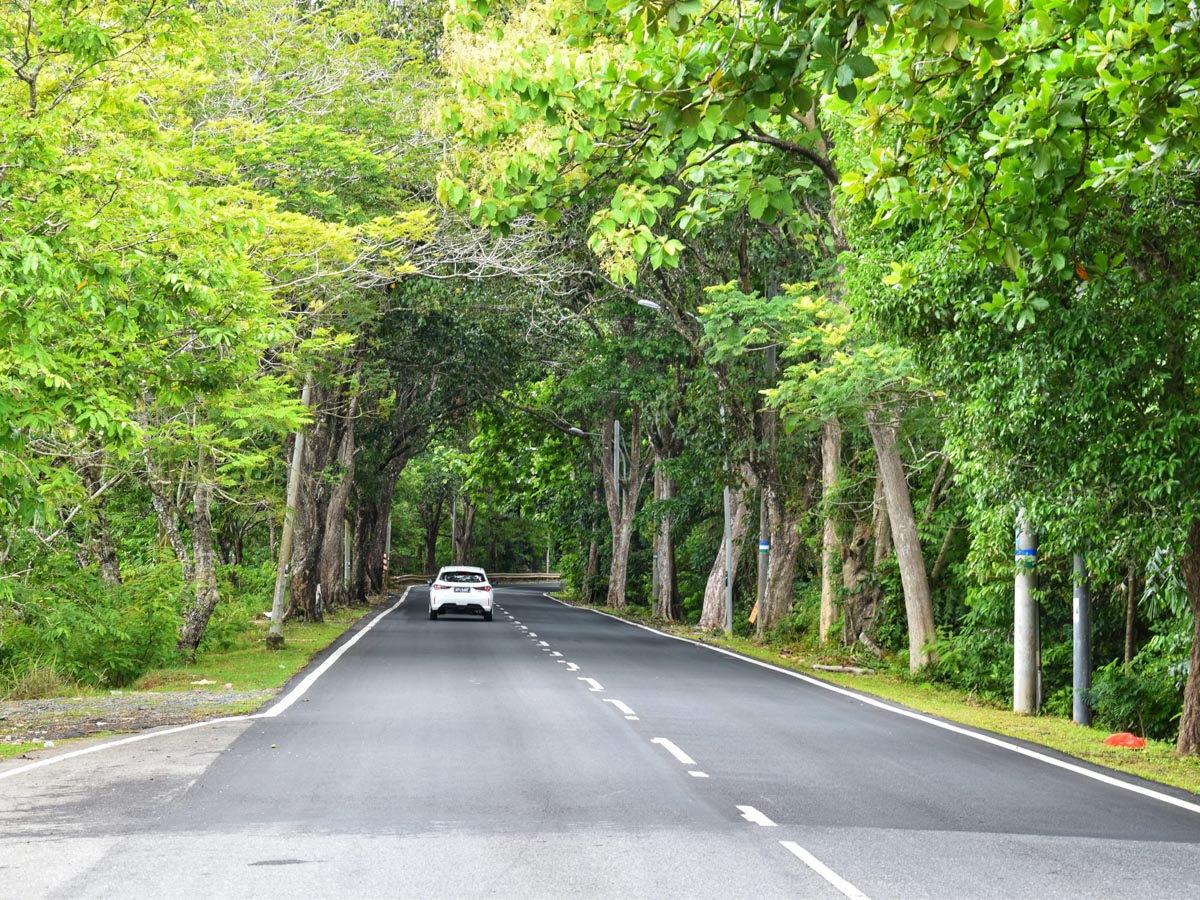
x=437, y=587
x=485, y=587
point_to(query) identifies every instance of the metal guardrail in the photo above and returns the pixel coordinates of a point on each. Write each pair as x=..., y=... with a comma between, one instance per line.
x=395, y=581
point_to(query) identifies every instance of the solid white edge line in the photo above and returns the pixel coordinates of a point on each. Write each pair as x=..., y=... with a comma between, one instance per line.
x=310, y=679
x=672, y=748
x=295, y=694
x=824, y=871
x=120, y=742
x=912, y=714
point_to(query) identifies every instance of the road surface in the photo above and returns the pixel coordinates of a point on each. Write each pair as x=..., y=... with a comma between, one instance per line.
x=556, y=752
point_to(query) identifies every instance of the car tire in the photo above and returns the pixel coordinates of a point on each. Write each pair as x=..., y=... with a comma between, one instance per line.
x=433, y=614
x=487, y=616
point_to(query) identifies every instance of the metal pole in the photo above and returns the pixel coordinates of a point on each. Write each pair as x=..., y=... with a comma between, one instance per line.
x=1081, y=617
x=347, y=543
x=728, y=566
x=1025, y=622
x=617, y=461
x=275, y=633
x=764, y=524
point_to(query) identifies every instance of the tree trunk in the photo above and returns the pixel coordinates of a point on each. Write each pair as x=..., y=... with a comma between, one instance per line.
x=621, y=498
x=1189, y=723
x=331, y=565
x=167, y=513
x=591, y=575
x=666, y=602
x=206, y=594
x=372, y=510
x=464, y=529
x=784, y=527
x=831, y=463
x=321, y=447
x=712, y=615
x=1131, y=596
x=918, y=604
x=863, y=594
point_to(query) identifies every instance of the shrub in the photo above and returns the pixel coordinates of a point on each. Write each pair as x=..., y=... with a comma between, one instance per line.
x=1147, y=696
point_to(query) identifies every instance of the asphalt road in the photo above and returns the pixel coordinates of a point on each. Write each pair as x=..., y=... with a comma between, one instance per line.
x=555, y=752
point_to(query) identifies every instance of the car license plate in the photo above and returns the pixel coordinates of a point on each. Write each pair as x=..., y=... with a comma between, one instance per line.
x=462, y=590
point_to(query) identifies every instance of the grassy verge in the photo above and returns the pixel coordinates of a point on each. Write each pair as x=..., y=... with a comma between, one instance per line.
x=247, y=665
x=1156, y=762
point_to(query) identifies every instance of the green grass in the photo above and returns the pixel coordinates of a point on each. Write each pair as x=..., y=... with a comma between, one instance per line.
x=1156, y=762
x=246, y=666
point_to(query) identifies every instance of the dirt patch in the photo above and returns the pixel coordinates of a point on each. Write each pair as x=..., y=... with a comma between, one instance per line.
x=37, y=721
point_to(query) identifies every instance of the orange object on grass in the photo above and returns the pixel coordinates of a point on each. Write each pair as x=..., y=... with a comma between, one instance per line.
x=1125, y=739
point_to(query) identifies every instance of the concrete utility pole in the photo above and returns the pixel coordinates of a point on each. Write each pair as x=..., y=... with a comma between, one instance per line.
x=728, y=565
x=275, y=633
x=617, y=461
x=1081, y=618
x=764, y=524
x=1026, y=673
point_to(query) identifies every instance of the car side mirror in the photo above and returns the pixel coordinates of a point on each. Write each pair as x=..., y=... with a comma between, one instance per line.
x=429, y=581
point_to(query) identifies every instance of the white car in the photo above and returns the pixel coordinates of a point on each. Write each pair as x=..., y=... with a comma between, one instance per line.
x=461, y=589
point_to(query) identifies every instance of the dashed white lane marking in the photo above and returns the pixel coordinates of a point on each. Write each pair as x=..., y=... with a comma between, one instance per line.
x=696, y=773
x=594, y=685
x=671, y=748
x=824, y=871
x=555, y=653
x=543, y=643
x=750, y=814
x=884, y=705
x=571, y=667
x=532, y=634
x=629, y=713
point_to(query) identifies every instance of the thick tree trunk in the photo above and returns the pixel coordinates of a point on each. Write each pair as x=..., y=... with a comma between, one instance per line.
x=464, y=529
x=591, y=575
x=666, y=602
x=1132, y=590
x=621, y=498
x=712, y=615
x=321, y=447
x=331, y=565
x=206, y=595
x=1189, y=723
x=831, y=464
x=781, y=565
x=863, y=595
x=372, y=510
x=918, y=604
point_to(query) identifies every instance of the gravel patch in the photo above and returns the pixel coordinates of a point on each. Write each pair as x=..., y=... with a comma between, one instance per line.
x=38, y=721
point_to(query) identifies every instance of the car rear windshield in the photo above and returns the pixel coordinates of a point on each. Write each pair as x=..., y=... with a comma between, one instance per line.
x=462, y=578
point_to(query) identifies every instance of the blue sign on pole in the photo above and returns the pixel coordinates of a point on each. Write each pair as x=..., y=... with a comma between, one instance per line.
x=764, y=546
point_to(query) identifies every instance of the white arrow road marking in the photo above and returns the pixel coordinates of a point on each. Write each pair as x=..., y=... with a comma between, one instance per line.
x=629, y=713
x=670, y=747
x=532, y=634
x=696, y=773
x=571, y=667
x=555, y=653
x=824, y=871
x=595, y=685
x=543, y=643
x=750, y=814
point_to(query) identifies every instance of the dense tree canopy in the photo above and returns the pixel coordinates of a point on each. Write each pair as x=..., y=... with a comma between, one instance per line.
x=497, y=281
